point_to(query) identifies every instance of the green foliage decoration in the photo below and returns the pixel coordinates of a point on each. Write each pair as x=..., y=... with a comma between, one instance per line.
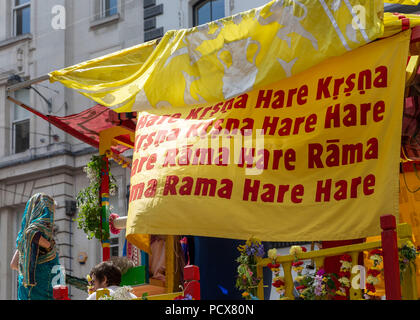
x=89, y=201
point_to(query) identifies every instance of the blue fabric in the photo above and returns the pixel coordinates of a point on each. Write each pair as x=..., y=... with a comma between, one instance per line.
x=36, y=263
x=216, y=258
x=43, y=277
x=125, y=248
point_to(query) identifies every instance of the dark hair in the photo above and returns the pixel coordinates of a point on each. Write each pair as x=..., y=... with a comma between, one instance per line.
x=122, y=263
x=108, y=270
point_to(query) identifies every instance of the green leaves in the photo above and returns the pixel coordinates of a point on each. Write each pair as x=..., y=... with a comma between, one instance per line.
x=247, y=279
x=407, y=257
x=89, y=202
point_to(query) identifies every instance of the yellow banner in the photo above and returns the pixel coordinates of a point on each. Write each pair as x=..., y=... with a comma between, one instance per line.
x=313, y=157
x=227, y=57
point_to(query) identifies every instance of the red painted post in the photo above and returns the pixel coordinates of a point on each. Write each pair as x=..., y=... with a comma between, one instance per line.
x=390, y=256
x=104, y=196
x=191, y=281
x=333, y=264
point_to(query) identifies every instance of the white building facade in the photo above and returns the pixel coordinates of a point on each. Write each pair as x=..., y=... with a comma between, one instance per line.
x=39, y=36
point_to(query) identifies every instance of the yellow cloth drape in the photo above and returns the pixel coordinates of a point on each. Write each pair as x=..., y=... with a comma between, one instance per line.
x=185, y=189
x=227, y=57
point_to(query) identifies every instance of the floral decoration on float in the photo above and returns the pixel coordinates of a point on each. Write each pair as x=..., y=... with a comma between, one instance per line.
x=373, y=273
x=247, y=279
x=278, y=281
x=344, y=275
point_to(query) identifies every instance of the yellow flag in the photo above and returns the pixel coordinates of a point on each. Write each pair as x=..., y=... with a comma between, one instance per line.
x=227, y=57
x=404, y=2
x=324, y=167
x=395, y=23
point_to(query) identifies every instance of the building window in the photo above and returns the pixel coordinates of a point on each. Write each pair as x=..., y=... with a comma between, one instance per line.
x=108, y=8
x=114, y=244
x=208, y=10
x=20, y=123
x=21, y=16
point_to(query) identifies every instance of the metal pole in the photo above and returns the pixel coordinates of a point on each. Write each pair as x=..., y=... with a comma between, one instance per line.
x=27, y=83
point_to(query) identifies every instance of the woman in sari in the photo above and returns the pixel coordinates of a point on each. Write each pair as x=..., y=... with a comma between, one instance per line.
x=36, y=253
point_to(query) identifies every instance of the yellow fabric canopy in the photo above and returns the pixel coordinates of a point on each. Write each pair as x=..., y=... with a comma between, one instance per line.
x=227, y=57
x=231, y=56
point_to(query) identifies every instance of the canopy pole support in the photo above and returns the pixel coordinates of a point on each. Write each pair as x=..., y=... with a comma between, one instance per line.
x=27, y=83
x=104, y=196
x=21, y=104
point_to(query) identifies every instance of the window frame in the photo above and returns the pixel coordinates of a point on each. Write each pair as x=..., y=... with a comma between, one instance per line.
x=103, y=10
x=114, y=244
x=16, y=8
x=197, y=5
x=14, y=144
x=14, y=122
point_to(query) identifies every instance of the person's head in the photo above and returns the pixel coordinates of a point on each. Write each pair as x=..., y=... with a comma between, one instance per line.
x=105, y=274
x=122, y=263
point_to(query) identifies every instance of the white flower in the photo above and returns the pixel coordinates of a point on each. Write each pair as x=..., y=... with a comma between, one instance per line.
x=91, y=174
x=123, y=293
x=344, y=281
x=345, y=265
x=376, y=258
x=272, y=253
x=112, y=190
x=372, y=280
x=294, y=250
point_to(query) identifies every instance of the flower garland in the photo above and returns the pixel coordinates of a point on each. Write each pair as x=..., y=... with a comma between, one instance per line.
x=312, y=286
x=372, y=275
x=317, y=286
x=247, y=279
x=344, y=274
x=297, y=265
x=407, y=255
x=112, y=228
x=89, y=286
x=278, y=281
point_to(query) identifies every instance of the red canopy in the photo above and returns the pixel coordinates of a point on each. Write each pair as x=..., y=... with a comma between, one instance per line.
x=87, y=124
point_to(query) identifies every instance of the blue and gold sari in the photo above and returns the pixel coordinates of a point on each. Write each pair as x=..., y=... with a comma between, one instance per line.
x=36, y=263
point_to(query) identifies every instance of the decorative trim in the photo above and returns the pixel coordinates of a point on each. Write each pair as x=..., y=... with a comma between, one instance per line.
x=149, y=3
x=105, y=21
x=11, y=41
